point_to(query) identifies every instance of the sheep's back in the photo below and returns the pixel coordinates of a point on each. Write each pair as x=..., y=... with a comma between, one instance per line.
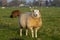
x=23, y=19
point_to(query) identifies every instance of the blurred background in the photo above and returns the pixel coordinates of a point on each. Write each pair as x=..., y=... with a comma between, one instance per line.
x=27, y=3
x=50, y=12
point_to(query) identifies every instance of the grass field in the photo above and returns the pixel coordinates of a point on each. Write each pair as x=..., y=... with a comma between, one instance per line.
x=50, y=30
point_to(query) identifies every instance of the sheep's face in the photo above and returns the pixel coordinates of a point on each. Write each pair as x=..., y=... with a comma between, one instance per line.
x=36, y=13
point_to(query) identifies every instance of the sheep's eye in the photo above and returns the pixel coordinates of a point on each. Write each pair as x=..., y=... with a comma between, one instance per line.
x=33, y=10
x=39, y=10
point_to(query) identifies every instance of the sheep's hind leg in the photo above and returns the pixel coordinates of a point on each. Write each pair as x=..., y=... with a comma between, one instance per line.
x=26, y=31
x=21, y=31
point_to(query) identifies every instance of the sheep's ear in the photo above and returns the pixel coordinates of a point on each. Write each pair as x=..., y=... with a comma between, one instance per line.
x=39, y=10
x=32, y=9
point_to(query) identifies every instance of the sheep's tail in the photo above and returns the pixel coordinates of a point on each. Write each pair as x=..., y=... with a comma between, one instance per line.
x=15, y=13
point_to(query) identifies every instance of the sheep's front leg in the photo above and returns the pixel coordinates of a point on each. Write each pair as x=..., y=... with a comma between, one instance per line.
x=36, y=33
x=32, y=31
x=36, y=29
x=20, y=32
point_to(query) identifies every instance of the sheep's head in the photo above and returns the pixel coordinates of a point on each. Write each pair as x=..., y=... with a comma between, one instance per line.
x=36, y=13
x=15, y=13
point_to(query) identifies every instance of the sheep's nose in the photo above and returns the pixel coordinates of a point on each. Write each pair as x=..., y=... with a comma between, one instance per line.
x=35, y=15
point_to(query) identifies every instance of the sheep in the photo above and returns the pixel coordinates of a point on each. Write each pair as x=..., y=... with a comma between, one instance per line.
x=30, y=20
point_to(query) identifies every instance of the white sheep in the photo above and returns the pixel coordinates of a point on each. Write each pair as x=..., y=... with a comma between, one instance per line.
x=30, y=20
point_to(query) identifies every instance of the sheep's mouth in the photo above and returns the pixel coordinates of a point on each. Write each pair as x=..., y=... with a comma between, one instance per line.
x=35, y=15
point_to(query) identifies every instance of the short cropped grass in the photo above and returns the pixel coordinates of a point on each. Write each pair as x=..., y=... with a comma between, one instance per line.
x=50, y=30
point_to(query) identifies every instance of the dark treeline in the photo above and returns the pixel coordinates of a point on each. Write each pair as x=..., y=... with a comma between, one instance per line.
x=34, y=3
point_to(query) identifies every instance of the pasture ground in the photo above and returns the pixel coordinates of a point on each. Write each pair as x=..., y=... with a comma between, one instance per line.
x=9, y=28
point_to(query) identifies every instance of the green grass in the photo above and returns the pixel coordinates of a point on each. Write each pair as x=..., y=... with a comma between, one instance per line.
x=50, y=30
